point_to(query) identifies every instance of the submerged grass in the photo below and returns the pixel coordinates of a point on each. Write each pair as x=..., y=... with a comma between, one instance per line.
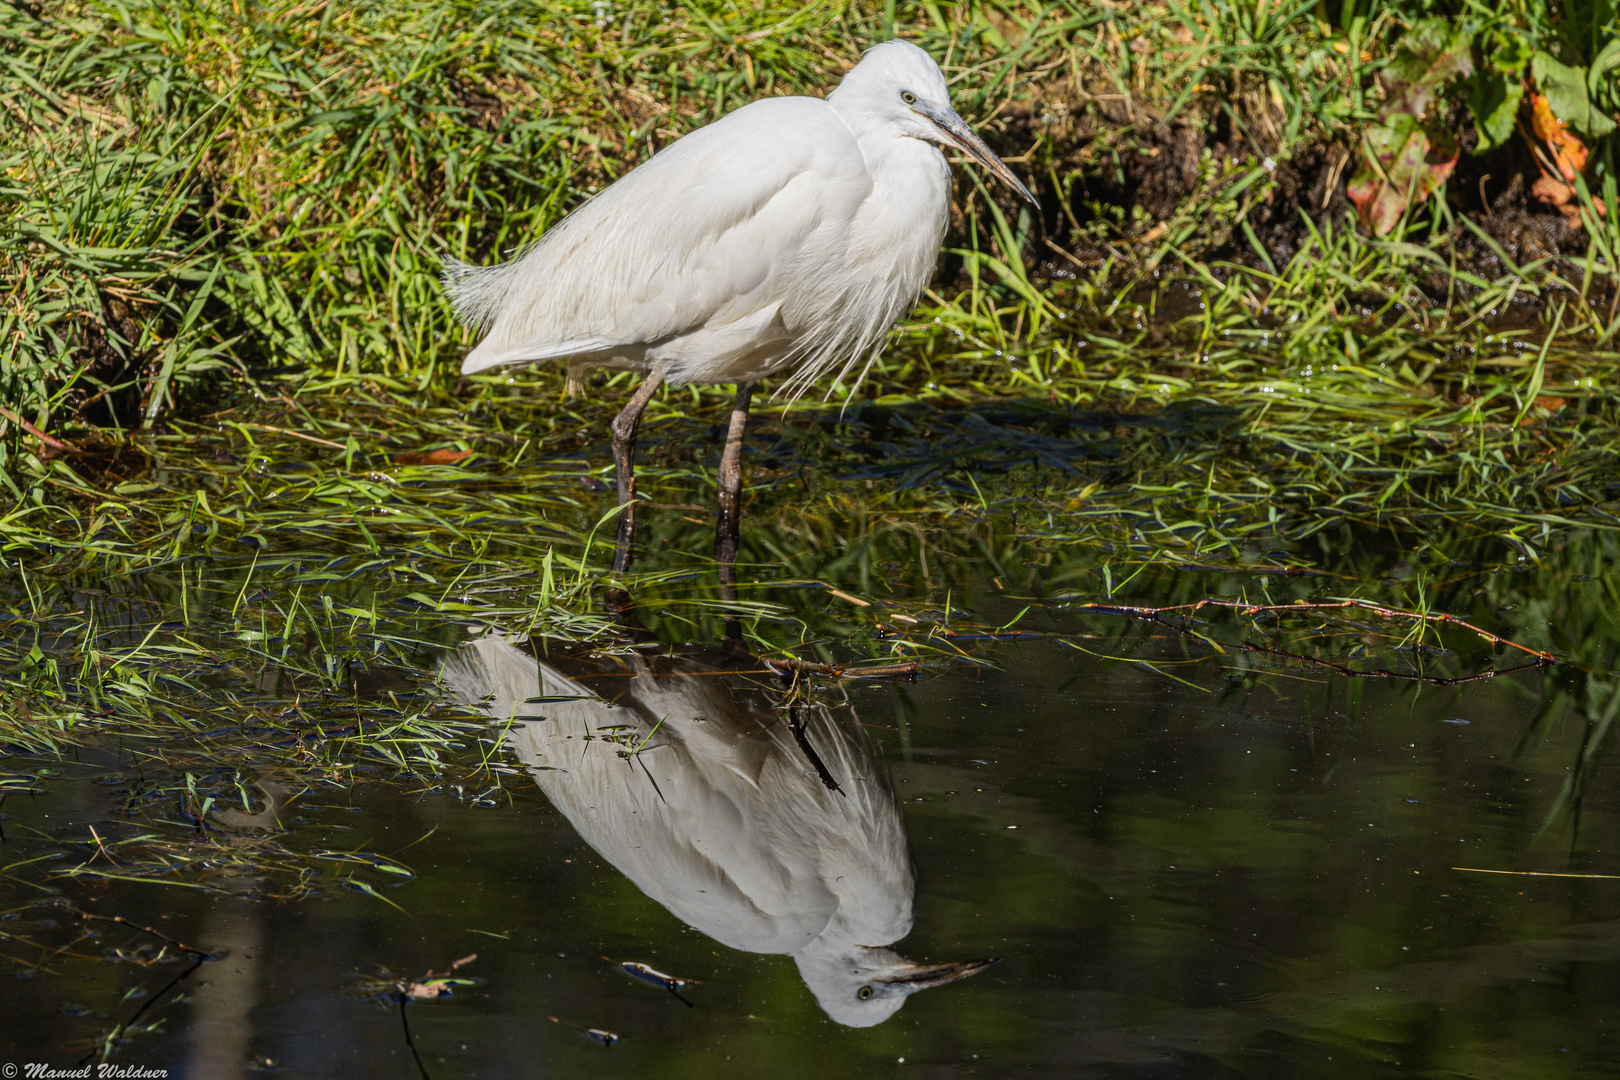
x=221, y=701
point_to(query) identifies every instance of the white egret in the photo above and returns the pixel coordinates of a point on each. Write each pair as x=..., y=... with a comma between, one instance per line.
x=786, y=237
x=712, y=810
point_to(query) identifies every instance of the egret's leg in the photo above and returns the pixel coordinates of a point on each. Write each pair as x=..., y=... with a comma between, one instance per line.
x=729, y=478
x=728, y=528
x=624, y=459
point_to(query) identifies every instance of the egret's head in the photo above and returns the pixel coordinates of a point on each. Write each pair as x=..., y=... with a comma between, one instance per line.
x=865, y=986
x=899, y=86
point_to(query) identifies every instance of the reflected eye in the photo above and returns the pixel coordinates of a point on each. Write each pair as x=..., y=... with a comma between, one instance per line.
x=910, y=99
x=865, y=993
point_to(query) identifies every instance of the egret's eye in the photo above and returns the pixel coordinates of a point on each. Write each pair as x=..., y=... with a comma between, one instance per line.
x=865, y=993
x=910, y=99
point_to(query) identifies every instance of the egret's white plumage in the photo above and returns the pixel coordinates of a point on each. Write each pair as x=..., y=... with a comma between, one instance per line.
x=729, y=827
x=789, y=235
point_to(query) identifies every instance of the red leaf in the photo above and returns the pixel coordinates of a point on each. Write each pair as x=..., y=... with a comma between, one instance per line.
x=1403, y=163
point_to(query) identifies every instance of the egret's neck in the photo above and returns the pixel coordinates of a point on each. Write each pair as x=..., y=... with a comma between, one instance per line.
x=905, y=215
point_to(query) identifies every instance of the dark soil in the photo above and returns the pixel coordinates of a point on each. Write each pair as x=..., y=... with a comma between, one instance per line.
x=1135, y=170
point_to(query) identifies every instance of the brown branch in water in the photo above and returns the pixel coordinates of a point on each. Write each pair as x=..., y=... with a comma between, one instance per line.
x=1536, y=873
x=1382, y=673
x=996, y=635
x=1246, y=608
x=841, y=671
x=907, y=669
x=405, y=1022
x=121, y=921
x=197, y=961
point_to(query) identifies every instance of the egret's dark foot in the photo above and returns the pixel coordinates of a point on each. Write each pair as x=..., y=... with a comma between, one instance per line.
x=625, y=426
x=728, y=527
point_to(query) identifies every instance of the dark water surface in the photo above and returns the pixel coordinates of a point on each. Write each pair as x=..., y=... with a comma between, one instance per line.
x=1185, y=869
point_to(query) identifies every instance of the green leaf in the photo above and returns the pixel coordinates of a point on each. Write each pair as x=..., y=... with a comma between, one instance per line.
x=361, y=886
x=1430, y=55
x=1565, y=88
x=1494, y=101
x=1511, y=55
x=1600, y=82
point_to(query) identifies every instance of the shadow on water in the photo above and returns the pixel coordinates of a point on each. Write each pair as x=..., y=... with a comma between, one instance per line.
x=1266, y=839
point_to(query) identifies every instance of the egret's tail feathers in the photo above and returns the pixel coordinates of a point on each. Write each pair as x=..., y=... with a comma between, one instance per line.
x=476, y=292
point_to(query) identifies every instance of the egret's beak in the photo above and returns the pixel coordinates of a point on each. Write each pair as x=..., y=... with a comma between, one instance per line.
x=914, y=977
x=961, y=136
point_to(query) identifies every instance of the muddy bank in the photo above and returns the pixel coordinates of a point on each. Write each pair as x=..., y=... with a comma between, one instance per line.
x=1118, y=179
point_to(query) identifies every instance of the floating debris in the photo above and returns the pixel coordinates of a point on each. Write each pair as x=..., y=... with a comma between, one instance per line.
x=657, y=978
x=654, y=977
x=436, y=984
x=436, y=988
x=596, y=1035
x=19, y=784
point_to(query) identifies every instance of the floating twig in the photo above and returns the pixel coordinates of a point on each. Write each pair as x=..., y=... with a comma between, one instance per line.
x=105, y=1047
x=405, y=1022
x=796, y=725
x=1536, y=873
x=429, y=987
x=598, y=1036
x=160, y=935
x=1383, y=673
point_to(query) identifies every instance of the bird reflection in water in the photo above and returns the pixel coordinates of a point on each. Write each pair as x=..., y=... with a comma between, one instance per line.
x=690, y=787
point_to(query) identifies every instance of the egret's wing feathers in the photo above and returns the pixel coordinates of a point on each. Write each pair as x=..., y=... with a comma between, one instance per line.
x=523, y=353
x=702, y=237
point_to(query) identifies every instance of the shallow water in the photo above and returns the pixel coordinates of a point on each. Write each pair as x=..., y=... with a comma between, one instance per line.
x=1189, y=863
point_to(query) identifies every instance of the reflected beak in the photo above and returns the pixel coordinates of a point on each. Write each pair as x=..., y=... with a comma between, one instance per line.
x=914, y=977
x=959, y=135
